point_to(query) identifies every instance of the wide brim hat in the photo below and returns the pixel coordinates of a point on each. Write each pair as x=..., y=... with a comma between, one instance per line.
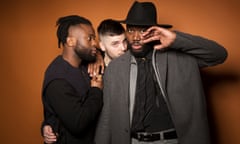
x=143, y=14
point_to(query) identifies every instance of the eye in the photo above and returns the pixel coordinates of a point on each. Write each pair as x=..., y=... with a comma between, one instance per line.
x=142, y=31
x=115, y=43
x=130, y=30
x=91, y=37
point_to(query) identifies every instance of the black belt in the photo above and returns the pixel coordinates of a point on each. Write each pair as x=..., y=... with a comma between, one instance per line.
x=144, y=136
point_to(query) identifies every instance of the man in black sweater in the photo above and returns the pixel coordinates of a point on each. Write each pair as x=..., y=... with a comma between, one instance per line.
x=71, y=99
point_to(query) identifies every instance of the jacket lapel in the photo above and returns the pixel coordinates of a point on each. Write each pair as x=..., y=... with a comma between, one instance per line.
x=161, y=63
x=124, y=75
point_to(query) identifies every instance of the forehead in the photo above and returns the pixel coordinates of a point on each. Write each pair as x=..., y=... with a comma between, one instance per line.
x=114, y=38
x=87, y=28
x=82, y=28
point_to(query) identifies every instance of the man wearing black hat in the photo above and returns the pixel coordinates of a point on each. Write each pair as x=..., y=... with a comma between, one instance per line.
x=153, y=93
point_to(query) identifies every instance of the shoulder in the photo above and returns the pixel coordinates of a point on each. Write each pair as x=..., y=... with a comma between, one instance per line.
x=55, y=65
x=125, y=58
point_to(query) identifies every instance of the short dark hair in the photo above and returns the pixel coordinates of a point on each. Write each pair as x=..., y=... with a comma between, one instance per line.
x=64, y=23
x=110, y=27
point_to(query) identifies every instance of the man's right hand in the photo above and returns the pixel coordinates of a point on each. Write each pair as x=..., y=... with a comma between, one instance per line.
x=155, y=33
x=49, y=136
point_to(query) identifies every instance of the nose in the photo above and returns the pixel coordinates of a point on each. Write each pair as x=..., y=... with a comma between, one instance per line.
x=94, y=43
x=136, y=36
x=124, y=46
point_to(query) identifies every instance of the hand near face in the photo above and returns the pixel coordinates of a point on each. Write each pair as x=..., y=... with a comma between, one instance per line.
x=155, y=33
x=97, y=67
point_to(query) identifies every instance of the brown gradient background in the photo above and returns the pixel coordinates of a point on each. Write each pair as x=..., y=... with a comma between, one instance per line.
x=29, y=43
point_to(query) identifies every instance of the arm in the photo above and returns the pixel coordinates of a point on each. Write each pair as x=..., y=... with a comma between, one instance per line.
x=207, y=52
x=102, y=135
x=74, y=113
x=49, y=127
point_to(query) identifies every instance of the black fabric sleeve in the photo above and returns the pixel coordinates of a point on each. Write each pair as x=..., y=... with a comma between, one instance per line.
x=74, y=113
x=51, y=121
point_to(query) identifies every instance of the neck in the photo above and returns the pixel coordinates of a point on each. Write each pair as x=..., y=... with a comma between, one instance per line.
x=71, y=58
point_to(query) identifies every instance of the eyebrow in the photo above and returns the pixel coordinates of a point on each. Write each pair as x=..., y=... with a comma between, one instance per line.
x=115, y=42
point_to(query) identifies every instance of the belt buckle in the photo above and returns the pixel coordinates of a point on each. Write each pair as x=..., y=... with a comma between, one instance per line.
x=144, y=136
x=141, y=136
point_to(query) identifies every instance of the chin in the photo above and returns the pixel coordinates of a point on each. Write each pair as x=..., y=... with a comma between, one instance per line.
x=89, y=58
x=137, y=53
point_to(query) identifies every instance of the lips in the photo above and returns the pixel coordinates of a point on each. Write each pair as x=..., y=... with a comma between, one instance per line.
x=94, y=52
x=136, y=46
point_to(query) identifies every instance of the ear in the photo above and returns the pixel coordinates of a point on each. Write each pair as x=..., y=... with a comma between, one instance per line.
x=102, y=46
x=71, y=41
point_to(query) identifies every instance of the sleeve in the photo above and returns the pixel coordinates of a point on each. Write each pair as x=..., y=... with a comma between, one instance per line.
x=52, y=121
x=74, y=113
x=102, y=135
x=207, y=52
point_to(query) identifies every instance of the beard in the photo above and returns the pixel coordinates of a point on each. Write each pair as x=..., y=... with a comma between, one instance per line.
x=146, y=48
x=85, y=55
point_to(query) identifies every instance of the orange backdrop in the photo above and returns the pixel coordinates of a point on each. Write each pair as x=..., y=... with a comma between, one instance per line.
x=28, y=44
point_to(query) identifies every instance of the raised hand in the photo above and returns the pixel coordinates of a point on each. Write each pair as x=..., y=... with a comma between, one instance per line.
x=155, y=33
x=97, y=67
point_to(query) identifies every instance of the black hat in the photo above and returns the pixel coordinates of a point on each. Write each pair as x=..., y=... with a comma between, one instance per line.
x=143, y=14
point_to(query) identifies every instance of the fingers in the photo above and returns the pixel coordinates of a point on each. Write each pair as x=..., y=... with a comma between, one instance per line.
x=151, y=37
x=49, y=139
x=90, y=69
x=163, y=37
x=151, y=34
x=95, y=68
x=49, y=136
x=102, y=68
x=149, y=30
